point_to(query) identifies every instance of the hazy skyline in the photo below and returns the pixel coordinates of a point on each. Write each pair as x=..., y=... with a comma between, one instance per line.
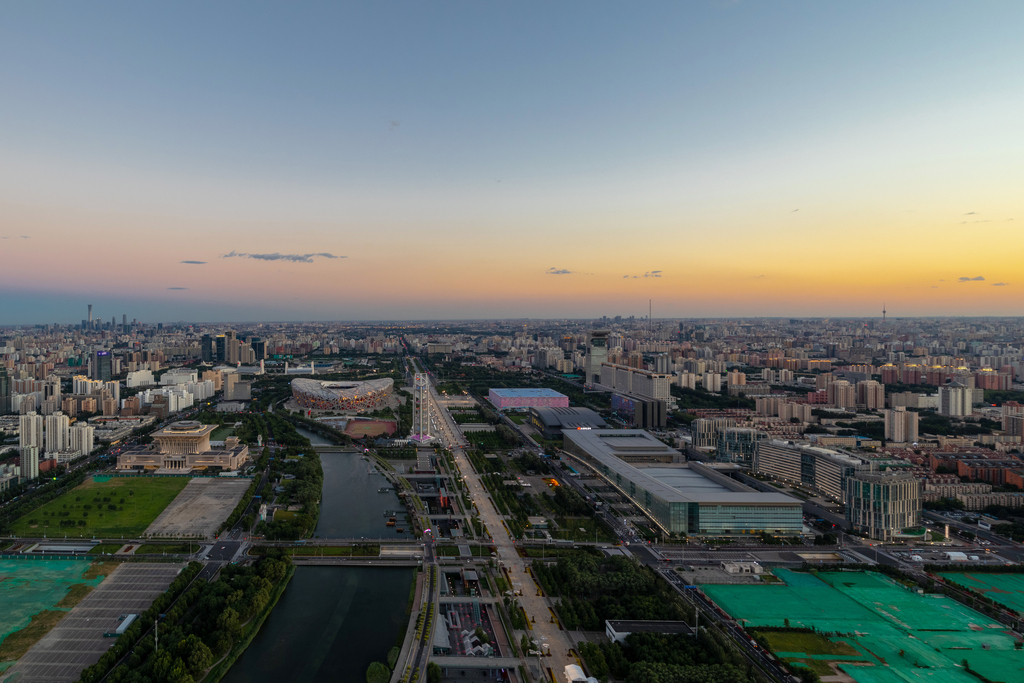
x=249, y=161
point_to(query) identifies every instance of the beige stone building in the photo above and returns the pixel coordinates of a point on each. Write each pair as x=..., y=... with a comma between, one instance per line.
x=182, y=447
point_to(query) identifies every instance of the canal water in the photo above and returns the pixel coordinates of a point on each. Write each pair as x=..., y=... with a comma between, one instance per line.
x=331, y=622
x=352, y=506
x=328, y=626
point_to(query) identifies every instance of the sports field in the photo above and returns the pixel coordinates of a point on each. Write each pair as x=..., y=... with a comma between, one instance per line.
x=102, y=507
x=897, y=634
x=357, y=429
x=1006, y=589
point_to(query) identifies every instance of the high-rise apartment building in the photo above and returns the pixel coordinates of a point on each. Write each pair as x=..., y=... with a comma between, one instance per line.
x=871, y=394
x=81, y=438
x=955, y=400
x=29, y=463
x=30, y=427
x=57, y=428
x=901, y=425
x=842, y=394
x=1013, y=418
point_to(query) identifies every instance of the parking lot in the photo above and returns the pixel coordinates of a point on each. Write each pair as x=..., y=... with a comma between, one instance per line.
x=200, y=508
x=77, y=641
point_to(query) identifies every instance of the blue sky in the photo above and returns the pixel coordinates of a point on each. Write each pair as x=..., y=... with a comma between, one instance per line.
x=622, y=137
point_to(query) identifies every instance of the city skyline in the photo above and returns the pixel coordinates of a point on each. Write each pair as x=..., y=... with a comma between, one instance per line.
x=468, y=162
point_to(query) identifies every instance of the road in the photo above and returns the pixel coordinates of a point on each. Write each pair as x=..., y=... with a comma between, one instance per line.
x=536, y=606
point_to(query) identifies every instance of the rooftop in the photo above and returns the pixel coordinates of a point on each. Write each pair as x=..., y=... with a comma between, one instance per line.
x=527, y=393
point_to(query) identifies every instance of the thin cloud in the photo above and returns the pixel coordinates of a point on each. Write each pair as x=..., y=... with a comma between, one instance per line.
x=972, y=279
x=195, y=263
x=1000, y=284
x=394, y=124
x=559, y=271
x=794, y=210
x=653, y=273
x=294, y=258
x=971, y=213
x=177, y=288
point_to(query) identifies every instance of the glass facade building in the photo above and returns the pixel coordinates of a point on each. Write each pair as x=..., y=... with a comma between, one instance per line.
x=689, y=499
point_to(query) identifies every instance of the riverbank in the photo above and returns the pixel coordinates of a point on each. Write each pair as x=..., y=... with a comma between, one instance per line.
x=221, y=668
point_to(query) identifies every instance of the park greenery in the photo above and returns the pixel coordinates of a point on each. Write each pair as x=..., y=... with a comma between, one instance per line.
x=592, y=588
x=667, y=658
x=201, y=625
x=102, y=507
x=701, y=398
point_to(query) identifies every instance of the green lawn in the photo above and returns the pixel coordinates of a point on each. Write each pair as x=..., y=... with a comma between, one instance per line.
x=807, y=643
x=221, y=433
x=169, y=548
x=106, y=548
x=137, y=502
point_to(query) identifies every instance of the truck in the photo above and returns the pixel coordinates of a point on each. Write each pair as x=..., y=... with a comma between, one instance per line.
x=126, y=621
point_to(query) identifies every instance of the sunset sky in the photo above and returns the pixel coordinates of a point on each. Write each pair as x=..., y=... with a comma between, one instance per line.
x=238, y=161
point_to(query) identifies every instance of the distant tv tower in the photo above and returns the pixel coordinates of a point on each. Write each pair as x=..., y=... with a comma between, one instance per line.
x=883, y=312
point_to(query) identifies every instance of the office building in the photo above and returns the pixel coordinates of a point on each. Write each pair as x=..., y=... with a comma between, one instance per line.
x=231, y=348
x=551, y=421
x=681, y=499
x=597, y=355
x=102, y=369
x=5, y=392
x=503, y=399
x=207, y=349
x=643, y=413
x=901, y=425
x=641, y=383
x=738, y=444
x=955, y=400
x=883, y=504
x=705, y=431
x=220, y=348
x=259, y=348
x=823, y=471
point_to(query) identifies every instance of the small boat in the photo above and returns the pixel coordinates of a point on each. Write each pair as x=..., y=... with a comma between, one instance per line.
x=391, y=523
x=400, y=530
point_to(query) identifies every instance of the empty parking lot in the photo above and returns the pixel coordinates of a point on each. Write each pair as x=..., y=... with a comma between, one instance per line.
x=200, y=508
x=77, y=641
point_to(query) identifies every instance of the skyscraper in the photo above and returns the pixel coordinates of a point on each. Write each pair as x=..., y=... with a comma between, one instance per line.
x=597, y=353
x=29, y=463
x=221, y=348
x=207, y=349
x=5, y=392
x=101, y=366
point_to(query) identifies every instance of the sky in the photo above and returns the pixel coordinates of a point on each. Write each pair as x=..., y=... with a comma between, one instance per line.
x=241, y=161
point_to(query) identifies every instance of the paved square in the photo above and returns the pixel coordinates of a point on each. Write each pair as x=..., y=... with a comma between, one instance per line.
x=77, y=641
x=200, y=508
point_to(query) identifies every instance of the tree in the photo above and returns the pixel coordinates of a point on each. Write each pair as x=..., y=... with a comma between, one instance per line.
x=196, y=655
x=393, y=656
x=433, y=673
x=377, y=673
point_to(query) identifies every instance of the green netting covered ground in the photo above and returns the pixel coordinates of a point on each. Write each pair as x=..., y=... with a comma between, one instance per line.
x=902, y=636
x=1006, y=589
x=27, y=587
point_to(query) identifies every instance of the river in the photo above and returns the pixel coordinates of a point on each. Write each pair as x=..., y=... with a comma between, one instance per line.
x=352, y=507
x=332, y=622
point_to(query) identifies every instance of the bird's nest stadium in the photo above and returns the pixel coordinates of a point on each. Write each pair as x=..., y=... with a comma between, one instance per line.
x=358, y=396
